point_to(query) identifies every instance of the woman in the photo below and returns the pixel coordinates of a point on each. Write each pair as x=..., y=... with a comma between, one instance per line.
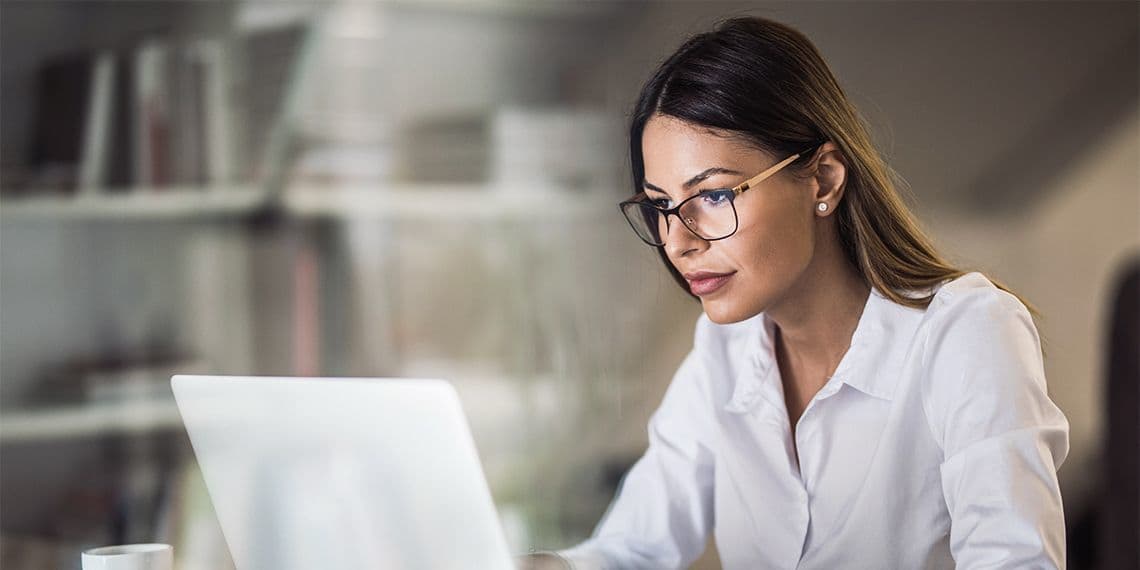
x=851, y=399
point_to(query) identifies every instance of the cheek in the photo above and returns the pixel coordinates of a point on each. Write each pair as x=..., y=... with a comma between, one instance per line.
x=771, y=246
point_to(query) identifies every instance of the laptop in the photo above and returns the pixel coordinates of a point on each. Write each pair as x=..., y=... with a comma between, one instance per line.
x=336, y=473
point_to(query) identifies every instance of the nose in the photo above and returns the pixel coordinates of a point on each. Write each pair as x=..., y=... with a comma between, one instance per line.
x=679, y=240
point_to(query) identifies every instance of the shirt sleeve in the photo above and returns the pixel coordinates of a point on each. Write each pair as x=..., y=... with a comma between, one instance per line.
x=663, y=510
x=1002, y=437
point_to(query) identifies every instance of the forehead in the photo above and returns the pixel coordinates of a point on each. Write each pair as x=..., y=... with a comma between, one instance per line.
x=674, y=150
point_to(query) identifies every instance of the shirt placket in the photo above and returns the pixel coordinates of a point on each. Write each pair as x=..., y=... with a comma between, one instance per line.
x=808, y=451
x=799, y=520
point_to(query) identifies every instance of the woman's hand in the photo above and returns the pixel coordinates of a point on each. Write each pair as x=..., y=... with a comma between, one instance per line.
x=542, y=561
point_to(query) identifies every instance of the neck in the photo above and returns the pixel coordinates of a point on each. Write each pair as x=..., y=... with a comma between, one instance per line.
x=817, y=319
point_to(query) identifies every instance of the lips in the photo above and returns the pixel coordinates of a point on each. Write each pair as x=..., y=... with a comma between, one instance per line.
x=706, y=282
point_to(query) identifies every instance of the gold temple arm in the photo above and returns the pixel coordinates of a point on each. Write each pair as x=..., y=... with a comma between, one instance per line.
x=760, y=177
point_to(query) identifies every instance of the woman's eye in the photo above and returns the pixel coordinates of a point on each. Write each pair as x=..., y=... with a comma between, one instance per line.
x=660, y=203
x=716, y=197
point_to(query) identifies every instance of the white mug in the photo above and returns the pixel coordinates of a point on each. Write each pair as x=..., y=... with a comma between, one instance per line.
x=130, y=557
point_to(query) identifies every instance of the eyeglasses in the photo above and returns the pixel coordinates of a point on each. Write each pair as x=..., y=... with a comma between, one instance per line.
x=709, y=214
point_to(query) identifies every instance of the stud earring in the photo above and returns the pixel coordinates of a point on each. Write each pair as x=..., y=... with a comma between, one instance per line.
x=822, y=207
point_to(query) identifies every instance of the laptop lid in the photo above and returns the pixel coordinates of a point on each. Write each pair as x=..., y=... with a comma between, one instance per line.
x=341, y=472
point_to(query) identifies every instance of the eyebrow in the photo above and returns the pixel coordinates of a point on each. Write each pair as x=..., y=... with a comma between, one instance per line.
x=696, y=179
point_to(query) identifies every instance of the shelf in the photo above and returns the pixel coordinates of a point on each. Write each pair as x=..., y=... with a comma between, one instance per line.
x=428, y=202
x=89, y=420
x=452, y=202
x=139, y=204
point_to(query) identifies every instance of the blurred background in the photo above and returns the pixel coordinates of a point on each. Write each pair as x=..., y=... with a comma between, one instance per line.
x=429, y=187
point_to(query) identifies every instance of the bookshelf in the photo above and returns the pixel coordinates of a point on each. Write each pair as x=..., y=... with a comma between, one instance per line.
x=107, y=263
x=180, y=114
x=110, y=203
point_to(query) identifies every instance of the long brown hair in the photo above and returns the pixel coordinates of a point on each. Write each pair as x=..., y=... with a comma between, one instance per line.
x=766, y=84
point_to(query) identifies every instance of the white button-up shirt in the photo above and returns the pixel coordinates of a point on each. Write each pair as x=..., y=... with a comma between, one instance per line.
x=933, y=445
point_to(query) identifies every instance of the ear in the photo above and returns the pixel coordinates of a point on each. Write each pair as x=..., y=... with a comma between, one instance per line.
x=830, y=174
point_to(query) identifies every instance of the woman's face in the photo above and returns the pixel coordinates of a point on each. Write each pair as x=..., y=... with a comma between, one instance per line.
x=774, y=241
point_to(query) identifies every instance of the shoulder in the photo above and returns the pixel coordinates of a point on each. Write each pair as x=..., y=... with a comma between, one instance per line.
x=981, y=357
x=970, y=317
x=971, y=296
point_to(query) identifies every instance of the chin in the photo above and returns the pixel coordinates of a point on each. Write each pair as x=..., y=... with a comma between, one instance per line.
x=723, y=314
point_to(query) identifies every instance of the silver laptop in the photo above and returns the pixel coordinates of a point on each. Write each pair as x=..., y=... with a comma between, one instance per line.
x=342, y=473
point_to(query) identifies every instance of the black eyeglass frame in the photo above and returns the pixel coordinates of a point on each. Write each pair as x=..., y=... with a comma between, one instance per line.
x=735, y=191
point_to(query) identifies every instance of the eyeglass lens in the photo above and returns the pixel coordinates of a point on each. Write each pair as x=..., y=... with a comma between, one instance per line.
x=710, y=215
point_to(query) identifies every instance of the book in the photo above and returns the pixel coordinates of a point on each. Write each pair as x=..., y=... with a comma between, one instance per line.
x=63, y=88
x=96, y=135
x=120, y=175
x=151, y=164
x=188, y=116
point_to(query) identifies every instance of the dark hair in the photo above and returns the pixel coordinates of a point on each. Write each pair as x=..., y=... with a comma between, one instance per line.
x=765, y=84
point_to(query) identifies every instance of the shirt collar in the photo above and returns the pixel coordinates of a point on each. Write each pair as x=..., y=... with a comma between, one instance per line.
x=861, y=366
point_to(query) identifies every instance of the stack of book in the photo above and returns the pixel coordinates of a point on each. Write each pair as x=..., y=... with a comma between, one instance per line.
x=156, y=115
